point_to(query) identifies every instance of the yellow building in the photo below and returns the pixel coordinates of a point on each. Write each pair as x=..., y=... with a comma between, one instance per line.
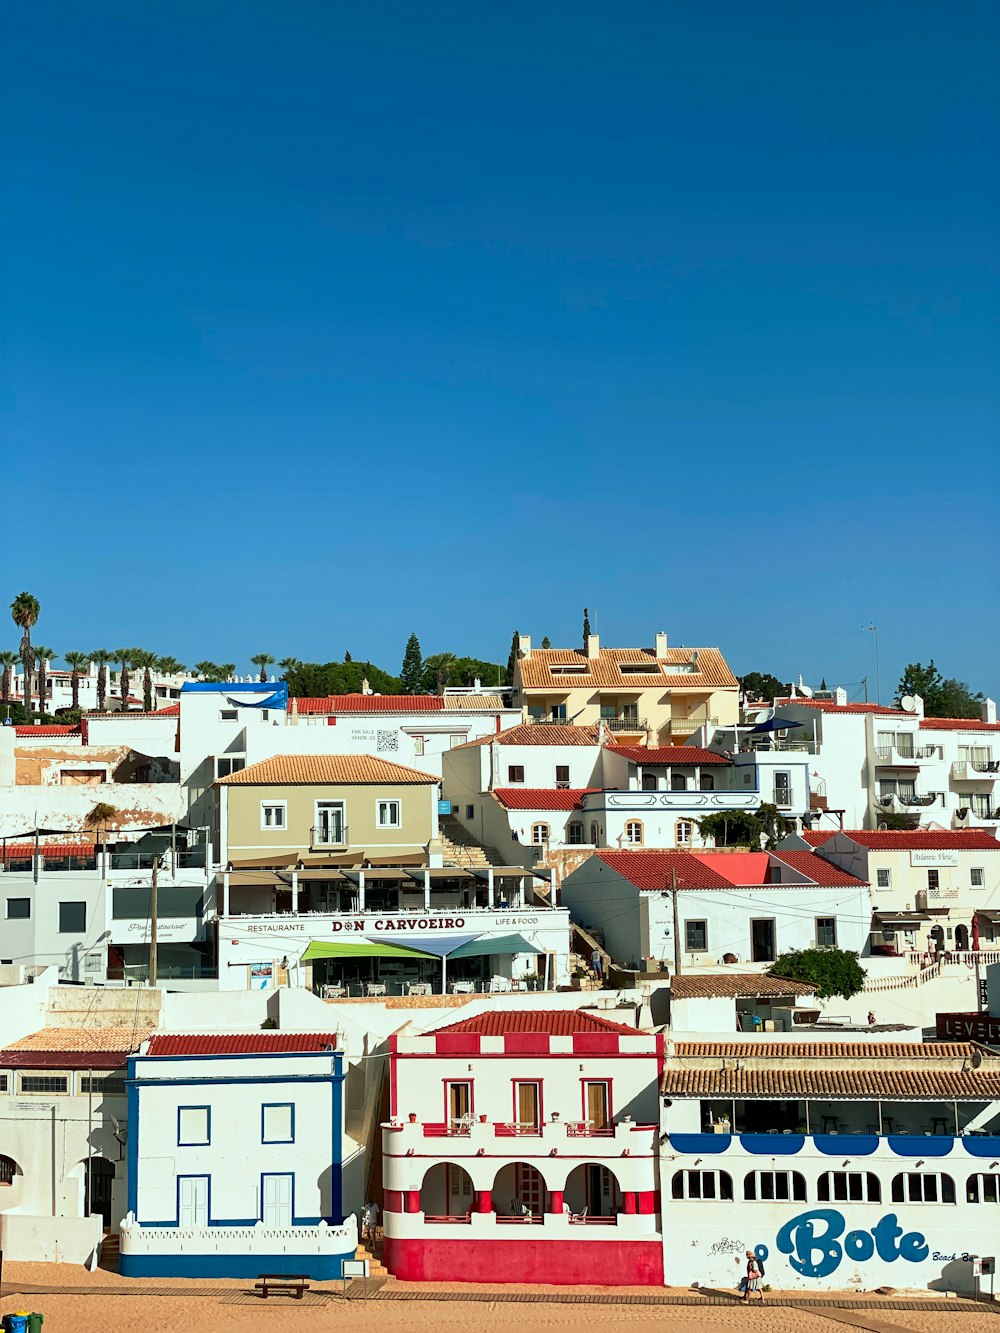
x=659, y=694
x=290, y=807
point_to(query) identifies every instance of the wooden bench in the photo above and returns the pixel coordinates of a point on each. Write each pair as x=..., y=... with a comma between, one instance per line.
x=297, y=1285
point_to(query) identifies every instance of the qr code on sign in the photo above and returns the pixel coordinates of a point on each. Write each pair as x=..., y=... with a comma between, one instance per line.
x=387, y=740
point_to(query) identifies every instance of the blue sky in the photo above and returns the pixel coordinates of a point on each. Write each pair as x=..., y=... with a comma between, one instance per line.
x=324, y=322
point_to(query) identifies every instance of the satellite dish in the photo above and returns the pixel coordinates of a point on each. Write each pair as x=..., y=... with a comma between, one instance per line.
x=764, y=715
x=908, y=704
x=977, y=1059
x=804, y=689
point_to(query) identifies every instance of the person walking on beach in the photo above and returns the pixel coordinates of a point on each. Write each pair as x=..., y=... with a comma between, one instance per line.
x=754, y=1276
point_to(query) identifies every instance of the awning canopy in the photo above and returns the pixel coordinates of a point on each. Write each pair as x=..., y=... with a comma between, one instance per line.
x=490, y=945
x=360, y=949
x=775, y=724
x=988, y=914
x=900, y=918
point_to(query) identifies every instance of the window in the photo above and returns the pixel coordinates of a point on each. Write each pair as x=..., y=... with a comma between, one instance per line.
x=562, y=773
x=696, y=936
x=923, y=1187
x=707, y=782
x=595, y=833
x=227, y=764
x=539, y=833
x=418, y=745
x=470, y=811
x=983, y=1189
x=849, y=1187
x=18, y=909
x=883, y=879
x=388, y=814
x=775, y=1185
x=575, y=833
x=8, y=1170
x=980, y=803
x=515, y=773
x=459, y=1101
x=277, y=1122
x=528, y=1107
x=702, y=1185
x=678, y=782
x=228, y=714
x=330, y=828
x=72, y=918
x=683, y=830
x=633, y=832
x=273, y=814
x=194, y=1126
x=933, y=879
x=649, y=782
x=44, y=1083
x=826, y=932
x=456, y=739
x=105, y=1085
x=782, y=789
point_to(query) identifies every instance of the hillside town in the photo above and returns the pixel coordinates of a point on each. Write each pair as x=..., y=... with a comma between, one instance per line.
x=512, y=981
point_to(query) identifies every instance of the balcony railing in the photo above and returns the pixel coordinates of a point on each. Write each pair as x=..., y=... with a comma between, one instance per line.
x=625, y=723
x=907, y=755
x=329, y=836
x=975, y=770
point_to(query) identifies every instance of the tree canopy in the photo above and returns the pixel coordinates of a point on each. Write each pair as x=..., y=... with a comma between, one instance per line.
x=832, y=971
x=317, y=679
x=745, y=828
x=411, y=676
x=942, y=696
x=762, y=685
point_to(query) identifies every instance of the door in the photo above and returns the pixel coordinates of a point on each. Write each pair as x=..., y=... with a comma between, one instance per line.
x=329, y=823
x=528, y=1106
x=276, y=1201
x=459, y=1107
x=99, y=1175
x=600, y=1191
x=782, y=790
x=459, y=1191
x=762, y=940
x=598, y=1106
x=529, y=1188
x=192, y=1193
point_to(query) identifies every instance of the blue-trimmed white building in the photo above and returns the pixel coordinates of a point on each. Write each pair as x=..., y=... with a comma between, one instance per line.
x=235, y=1157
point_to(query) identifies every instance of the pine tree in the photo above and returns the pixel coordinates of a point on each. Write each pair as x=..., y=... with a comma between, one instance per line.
x=586, y=628
x=347, y=656
x=413, y=666
x=512, y=659
x=546, y=642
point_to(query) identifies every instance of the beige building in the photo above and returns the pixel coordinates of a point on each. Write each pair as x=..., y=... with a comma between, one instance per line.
x=294, y=807
x=660, y=694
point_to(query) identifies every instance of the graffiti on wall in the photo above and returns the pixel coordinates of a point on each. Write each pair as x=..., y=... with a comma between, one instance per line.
x=816, y=1244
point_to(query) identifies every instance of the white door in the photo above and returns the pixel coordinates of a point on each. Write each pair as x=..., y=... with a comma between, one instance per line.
x=193, y=1205
x=277, y=1207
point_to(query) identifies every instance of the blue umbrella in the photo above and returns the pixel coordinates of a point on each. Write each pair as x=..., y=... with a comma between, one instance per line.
x=776, y=724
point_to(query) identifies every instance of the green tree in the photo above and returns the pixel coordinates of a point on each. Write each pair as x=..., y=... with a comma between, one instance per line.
x=228, y=670
x=316, y=679
x=8, y=661
x=24, y=611
x=410, y=677
x=208, y=671
x=762, y=685
x=290, y=665
x=942, y=696
x=169, y=666
x=99, y=818
x=347, y=655
x=145, y=661
x=512, y=659
x=44, y=656
x=102, y=656
x=586, y=628
x=733, y=828
x=123, y=656
x=546, y=641
x=262, y=660
x=76, y=662
x=831, y=971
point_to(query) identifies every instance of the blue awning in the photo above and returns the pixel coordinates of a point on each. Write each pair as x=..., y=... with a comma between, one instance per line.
x=776, y=724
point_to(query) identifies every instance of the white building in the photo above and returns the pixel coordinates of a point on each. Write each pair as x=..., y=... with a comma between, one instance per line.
x=732, y=907
x=235, y=1157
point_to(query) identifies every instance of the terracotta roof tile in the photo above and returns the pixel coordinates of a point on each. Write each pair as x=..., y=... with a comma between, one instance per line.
x=669, y=754
x=537, y=733
x=62, y=1047
x=883, y=1082
x=239, y=1043
x=737, y=985
x=893, y=840
x=957, y=724
x=23, y=851
x=830, y=706
x=816, y=837
x=541, y=798
x=656, y=870
x=605, y=670
x=49, y=729
x=816, y=868
x=371, y=703
x=875, y=1051
x=321, y=769
x=476, y=703
x=555, y=1022
x=721, y=870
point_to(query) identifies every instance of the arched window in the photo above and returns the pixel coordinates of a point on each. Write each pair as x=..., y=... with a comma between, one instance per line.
x=540, y=833
x=767, y=1186
x=649, y=782
x=595, y=832
x=849, y=1187
x=923, y=1187
x=702, y=1185
x=683, y=831
x=708, y=782
x=678, y=782
x=8, y=1170
x=983, y=1189
x=633, y=832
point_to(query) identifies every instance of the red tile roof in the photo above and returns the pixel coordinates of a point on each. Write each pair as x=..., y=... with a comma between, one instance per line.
x=540, y=670
x=736, y=985
x=652, y=870
x=554, y=1022
x=816, y=837
x=537, y=733
x=240, y=1043
x=830, y=706
x=757, y=1050
x=371, y=703
x=75, y=1048
x=815, y=868
x=541, y=798
x=23, y=851
x=891, y=840
x=48, y=729
x=656, y=870
x=957, y=724
x=669, y=754
x=321, y=769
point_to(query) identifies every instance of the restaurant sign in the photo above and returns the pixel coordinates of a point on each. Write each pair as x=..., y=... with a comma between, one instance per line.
x=934, y=859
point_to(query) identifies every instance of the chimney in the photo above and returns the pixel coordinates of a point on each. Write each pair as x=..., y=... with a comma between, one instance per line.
x=918, y=705
x=477, y=685
x=989, y=711
x=661, y=644
x=524, y=645
x=840, y=696
x=366, y=687
x=593, y=646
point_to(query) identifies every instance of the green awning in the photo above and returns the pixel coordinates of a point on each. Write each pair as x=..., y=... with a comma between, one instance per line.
x=486, y=946
x=359, y=949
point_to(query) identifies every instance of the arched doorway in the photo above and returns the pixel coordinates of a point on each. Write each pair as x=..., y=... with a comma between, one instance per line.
x=649, y=782
x=961, y=937
x=519, y=1188
x=98, y=1180
x=937, y=935
x=446, y=1194
x=9, y=1172
x=594, y=1189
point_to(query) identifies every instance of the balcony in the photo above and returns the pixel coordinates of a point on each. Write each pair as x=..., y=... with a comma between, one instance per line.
x=638, y=801
x=629, y=724
x=906, y=801
x=891, y=756
x=928, y=899
x=975, y=770
x=329, y=835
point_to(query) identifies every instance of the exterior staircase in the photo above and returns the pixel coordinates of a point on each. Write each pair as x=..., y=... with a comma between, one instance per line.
x=108, y=1256
x=459, y=847
x=376, y=1268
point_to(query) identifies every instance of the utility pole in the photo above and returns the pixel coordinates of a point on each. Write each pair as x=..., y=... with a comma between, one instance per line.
x=153, y=892
x=677, y=933
x=873, y=630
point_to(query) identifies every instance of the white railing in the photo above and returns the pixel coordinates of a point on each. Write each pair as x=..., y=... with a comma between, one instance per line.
x=875, y=984
x=319, y=1240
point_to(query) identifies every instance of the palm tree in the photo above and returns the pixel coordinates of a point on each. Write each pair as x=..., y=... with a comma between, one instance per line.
x=169, y=666
x=8, y=661
x=145, y=661
x=262, y=660
x=288, y=665
x=76, y=662
x=124, y=656
x=207, y=670
x=227, y=671
x=99, y=818
x=24, y=611
x=44, y=657
x=102, y=656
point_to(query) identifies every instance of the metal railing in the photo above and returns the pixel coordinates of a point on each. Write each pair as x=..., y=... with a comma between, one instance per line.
x=626, y=723
x=328, y=835
x=975, y=768
x=164, y=972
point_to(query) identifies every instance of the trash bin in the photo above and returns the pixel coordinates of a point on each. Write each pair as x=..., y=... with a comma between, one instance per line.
x=35, y=1322
x=17, y=1322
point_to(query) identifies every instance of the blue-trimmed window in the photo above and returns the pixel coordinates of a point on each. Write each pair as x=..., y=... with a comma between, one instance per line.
x=277, y=1122
x=194, y=1126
